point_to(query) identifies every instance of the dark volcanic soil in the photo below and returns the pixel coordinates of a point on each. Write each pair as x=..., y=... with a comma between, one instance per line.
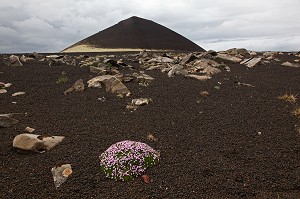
x=210, y=147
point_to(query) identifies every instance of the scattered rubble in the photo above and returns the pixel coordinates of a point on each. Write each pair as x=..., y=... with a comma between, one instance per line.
x=177, y=70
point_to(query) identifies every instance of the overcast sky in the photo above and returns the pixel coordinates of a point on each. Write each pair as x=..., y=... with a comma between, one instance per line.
x=52, y=25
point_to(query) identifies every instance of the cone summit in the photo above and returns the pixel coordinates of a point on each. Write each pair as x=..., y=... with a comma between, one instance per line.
x=134, y=34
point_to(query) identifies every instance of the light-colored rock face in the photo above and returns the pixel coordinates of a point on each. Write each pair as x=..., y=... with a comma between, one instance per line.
x=177, y=70
x=199, y=77
x=111, y=84
x=250, y=63
x=227, y=57
x=32, y=142
x=18, y=93
x=289, y=64
x=3, y=91
x=160, y=59
x=15, y=61
x=78, y=86
x=140, y=101
x=29, y=129
x=237, y=51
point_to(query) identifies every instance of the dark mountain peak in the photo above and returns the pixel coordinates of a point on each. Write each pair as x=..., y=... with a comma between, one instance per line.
x=137, y=33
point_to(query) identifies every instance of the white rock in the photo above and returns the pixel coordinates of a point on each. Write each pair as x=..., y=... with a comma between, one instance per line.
x=290, y=64
x=199, y=77
x=18, y=93
x=250, y=63
x=161, y=60
x=229, y=58
x=29, y=130
x=140, y=101
x=7, y=85
x=3, y=91
x=36, y=143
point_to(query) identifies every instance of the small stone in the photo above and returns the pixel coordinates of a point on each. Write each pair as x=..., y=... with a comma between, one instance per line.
x=204, y=93
x=151, y=137
x=140, y=101
x=146, y=179
x=61, y=173
x=29, y=130
x=3, y=91
x=199, y=77
x=18, y=93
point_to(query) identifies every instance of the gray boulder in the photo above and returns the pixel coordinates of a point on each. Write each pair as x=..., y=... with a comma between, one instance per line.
x=111, y=83
x=177, y=70
x=289, y=64
x=238, y=51
x=36, y=143
x=188, y=58
x=13, y=61
x=230, y=58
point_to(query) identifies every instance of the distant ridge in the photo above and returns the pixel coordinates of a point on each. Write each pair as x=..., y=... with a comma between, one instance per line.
x=134, y=34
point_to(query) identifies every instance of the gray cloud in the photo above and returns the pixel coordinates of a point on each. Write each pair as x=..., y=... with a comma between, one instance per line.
x=50, y=26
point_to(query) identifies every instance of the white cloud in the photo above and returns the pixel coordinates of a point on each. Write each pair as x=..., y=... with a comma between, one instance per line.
x=50, y=26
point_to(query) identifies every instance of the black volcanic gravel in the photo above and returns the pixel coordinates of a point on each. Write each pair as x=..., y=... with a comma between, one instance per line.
x=210, y=146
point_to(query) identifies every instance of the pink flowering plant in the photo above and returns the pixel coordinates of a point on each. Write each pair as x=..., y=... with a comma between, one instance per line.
x=127, y=159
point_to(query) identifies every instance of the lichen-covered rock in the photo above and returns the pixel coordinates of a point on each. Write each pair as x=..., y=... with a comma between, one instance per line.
x=36, y=143
x=111, y=83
